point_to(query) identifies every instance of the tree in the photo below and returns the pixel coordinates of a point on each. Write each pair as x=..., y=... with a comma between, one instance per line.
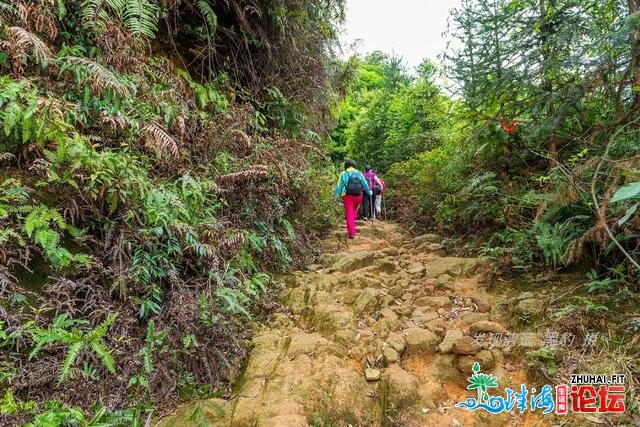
x=388, y=115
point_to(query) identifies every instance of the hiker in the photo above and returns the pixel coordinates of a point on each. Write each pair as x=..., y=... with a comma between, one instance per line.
x=378, y=190
x=369, y=202
x=350, y=187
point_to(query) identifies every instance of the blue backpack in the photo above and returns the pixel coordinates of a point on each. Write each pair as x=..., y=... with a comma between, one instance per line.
x=354, y=186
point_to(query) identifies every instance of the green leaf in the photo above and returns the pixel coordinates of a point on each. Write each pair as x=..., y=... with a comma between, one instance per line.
x=70, y=359
x=626, y=192
x=632, y=210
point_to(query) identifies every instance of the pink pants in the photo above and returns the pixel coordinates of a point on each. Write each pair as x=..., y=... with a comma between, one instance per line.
x=351, y=204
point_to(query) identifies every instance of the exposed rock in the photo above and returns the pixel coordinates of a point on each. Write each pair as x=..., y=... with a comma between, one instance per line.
x=498, y=356
x=504, y=379
x=416, y=269
x=469, y=318
x=345, y=337
x=433, y=247
x=305, y=343
x=423, y=315
x=398, y=288
x=391, y=251
x=451, y=265
x=446, y=346
x=280, y=321
x=388, y=322
x=466, y=345
x=484, y=359
x=388, y=313
x=387, y=266
x=348, y=296
x=439, y=326
x=346, y=261
x=371, y=374
x=294, y=299
x=388, y=299
x=285, y=421
x=420, y=340
x=390, y=355
x=403, y=386
x=426, y=238
x=402, y=310
x=397, y=342
x=367, y=301
x=407, y=296
x=483, y=306
x=444, y=279
x=437, y=302
x=328, y=319
x=445, y=367
x=487, y=327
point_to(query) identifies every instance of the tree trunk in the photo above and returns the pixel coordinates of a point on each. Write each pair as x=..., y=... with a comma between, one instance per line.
x=634, y=7
x=547, y=84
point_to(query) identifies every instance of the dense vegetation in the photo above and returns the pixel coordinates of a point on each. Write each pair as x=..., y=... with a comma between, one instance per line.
x=531, y=162
x=155, y=168
x=161, y=160
x=532, y=147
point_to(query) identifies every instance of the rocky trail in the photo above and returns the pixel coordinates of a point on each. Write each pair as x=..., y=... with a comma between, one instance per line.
x=378, y=333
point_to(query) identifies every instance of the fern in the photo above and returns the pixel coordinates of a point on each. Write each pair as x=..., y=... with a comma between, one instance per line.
x=147, y=359
x=7, y=10
x=64, y=331
x=95, y=12
x=21, y=39
x=140, y=17
x=105, y=356
x=72, y=355
x=209, y=15
x=101, y=330
x=156, y=138
x=100, y=77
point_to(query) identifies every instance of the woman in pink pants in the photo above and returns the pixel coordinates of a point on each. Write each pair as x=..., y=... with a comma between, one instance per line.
x=350, y=187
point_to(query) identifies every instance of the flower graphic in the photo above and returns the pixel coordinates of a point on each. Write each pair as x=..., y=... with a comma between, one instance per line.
x=482, y=382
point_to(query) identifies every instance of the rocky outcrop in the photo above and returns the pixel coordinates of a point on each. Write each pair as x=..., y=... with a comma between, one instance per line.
x=374, y=331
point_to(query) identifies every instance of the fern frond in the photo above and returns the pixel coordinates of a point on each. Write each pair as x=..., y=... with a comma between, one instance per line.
x=115, y=122
x=21, y=39
x=101, y=330
x=6, y=156
x=72, y=355
x=7, y=10
x=95, y=14
x=147, y=359
x=258, y=171
x=141, y=17
x=101, y=77
x=157, y=139
x=43, y=338
x=234, y=241
x=105, y=356
x=209, y=15
x=243, y=136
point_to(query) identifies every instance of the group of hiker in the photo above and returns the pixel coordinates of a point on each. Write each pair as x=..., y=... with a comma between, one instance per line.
x=356, y=189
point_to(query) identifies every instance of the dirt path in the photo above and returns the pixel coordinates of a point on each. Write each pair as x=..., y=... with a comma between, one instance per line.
x=379, y=333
